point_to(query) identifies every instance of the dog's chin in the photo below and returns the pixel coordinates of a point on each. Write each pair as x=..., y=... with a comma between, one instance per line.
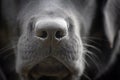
x=49, y=69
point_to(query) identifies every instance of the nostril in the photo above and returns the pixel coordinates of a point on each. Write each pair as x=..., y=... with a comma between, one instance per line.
x=42, y=34
x=50, y=29
x=59, y=34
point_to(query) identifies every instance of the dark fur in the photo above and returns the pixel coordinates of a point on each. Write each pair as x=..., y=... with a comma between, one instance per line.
x=89, y=16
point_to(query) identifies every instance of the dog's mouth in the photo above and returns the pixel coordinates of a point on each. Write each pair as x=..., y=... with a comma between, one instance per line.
x=49, y=69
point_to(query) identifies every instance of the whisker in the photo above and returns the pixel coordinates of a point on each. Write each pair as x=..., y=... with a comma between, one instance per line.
x=84, y=60
x=93, y=60
x=10, y=54
x=92, y=57
x=91, y=53
x=95, y=38
x=93, y=47
x=5, y=50
x=87, y=77
x=89, y=40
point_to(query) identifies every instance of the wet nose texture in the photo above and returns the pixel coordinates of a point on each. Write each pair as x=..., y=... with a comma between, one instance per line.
x=51, y=28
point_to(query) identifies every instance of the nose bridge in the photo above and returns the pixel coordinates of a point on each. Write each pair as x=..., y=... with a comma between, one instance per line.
x=51, y=22
x=55, y=28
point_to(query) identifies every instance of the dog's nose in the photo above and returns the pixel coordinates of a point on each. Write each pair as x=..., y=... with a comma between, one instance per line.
x=51, y=28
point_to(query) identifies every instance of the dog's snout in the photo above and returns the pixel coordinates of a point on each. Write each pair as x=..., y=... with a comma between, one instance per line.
x=51, y=28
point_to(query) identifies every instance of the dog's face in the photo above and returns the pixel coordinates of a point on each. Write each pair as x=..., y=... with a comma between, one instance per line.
x=50, y=44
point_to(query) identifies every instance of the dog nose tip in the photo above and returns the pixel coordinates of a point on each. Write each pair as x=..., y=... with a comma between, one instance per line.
x=47, y=28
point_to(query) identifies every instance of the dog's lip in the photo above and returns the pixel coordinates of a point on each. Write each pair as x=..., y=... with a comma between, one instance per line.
x=50, y=67
x=47, y=68
x=49, y=71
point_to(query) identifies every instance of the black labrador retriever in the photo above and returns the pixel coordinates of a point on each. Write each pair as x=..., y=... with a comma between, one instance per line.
x=60, y=39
